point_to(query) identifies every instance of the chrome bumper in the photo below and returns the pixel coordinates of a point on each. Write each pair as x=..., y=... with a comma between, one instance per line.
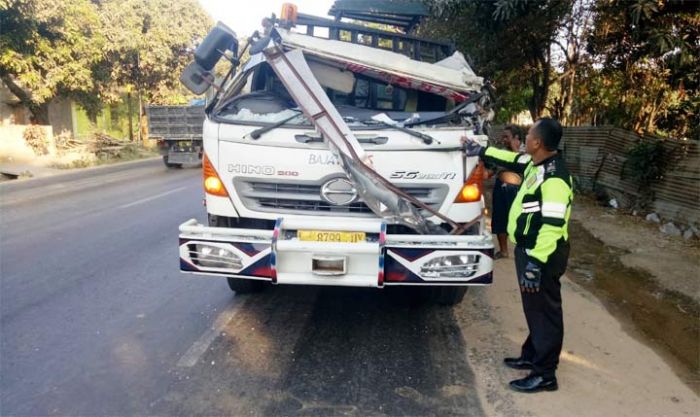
x=280, y=257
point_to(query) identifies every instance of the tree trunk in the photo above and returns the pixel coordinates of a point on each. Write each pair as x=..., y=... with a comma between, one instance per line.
x=130, y=111
x=140, y=116
x=39, y=111
x=534, y=100
x=651, y=122
x=544, y=95
x=539, y=82
x=568, y=99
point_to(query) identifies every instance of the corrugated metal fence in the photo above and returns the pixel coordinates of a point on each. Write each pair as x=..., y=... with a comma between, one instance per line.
x=596, y=156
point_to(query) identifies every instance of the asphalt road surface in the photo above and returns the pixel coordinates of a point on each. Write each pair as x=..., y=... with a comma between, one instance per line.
x=97, y=320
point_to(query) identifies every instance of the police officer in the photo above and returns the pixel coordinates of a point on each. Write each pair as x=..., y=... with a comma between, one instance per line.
x=538, y=225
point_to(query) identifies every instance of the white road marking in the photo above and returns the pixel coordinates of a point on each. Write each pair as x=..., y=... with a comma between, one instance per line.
x=199, y=347
x=153, y=197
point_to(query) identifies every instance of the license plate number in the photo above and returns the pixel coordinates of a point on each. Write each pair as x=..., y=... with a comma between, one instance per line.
x=327, y=236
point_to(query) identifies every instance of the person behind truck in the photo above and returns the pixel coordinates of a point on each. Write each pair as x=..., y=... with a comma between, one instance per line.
x=538, y=225
x=505, y=189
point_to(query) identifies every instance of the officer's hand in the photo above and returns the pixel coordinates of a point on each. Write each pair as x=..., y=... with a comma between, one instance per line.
x=470, y=146
x=530, y=278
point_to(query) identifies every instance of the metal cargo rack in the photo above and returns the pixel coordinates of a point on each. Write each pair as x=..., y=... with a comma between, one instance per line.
x=404, y=16
x=175, y=122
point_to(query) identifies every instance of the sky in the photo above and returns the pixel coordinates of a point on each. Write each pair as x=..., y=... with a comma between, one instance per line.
x=244, y=16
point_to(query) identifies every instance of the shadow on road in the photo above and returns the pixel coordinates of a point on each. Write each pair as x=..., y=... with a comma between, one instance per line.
x=331, y=351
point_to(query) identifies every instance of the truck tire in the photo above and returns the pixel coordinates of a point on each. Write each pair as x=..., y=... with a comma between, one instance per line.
x=169, y=165
x=448, y=296
x=245, y=286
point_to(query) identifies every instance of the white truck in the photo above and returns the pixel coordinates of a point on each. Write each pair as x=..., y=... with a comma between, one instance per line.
x=336, y=160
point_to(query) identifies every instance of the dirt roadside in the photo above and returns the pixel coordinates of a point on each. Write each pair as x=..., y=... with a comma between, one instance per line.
x=623, y=354
x=673, y=262
x=604, y=370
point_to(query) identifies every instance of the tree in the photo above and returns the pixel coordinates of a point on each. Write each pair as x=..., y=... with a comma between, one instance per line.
x=650, y=53
x=570, y=44
x=47, y=49
x=150, y=42
x=510, y=39
x=93, y=51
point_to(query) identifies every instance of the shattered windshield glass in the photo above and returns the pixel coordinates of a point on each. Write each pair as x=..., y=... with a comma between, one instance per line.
x=357, y=98
x=246, y=115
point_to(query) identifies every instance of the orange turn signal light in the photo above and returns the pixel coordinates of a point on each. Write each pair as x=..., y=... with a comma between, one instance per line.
x=471, y=190
x=212, y=183
x=289, y=13
x=468, y=194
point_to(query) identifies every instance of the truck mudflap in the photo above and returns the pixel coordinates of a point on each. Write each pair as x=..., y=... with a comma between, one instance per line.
x=177, y=156
x=344, y=253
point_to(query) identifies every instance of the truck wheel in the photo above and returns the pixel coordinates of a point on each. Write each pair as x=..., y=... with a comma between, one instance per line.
x=448, y=296
x=169, y=165
x=245, y=286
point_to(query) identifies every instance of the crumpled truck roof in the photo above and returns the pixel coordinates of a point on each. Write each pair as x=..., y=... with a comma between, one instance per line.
x=451, y=77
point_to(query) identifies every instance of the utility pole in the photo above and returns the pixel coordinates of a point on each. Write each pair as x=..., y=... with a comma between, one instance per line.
x=131, y=113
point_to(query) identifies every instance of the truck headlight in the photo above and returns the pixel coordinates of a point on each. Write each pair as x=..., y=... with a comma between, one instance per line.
x=452, y=266
x=210, y=256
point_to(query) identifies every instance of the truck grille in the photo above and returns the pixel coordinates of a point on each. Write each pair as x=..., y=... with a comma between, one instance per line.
x=305, y=197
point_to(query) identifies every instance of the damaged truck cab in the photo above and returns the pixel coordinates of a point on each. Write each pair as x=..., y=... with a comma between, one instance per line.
x=337, y=160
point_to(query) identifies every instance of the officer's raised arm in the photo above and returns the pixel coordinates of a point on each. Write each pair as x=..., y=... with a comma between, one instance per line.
x=512, y=161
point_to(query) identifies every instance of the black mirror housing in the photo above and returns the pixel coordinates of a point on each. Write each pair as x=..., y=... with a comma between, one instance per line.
x=196, y=78
x=220, y=39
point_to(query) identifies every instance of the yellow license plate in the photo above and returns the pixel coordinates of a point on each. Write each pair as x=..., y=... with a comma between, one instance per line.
x=328, y=236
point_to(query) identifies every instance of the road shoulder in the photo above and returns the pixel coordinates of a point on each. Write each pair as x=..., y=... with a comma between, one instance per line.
x=604, y=370
x=673, y=262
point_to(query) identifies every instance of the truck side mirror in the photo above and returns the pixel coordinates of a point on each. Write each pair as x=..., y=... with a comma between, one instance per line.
x=219, y=40
x=196, y=78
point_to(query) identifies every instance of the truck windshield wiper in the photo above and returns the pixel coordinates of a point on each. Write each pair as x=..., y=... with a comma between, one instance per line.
x=375, y=140
x=255, y=134
x=450, y=113
x=385, y=122
x=427, y=139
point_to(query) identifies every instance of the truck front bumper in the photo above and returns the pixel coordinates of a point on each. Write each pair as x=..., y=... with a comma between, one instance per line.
x=381, y=259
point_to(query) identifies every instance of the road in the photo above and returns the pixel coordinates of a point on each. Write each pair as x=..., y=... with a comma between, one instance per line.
x=96, y=320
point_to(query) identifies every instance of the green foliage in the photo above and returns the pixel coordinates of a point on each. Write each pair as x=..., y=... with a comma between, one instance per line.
x=515, y=101
x=630, y=63
x=506, y=9
x=91, y=51
x=47, y=48
x=149, y=43
x=643, y=8
x=507, y=41
x=646, y=163
x=650, y=53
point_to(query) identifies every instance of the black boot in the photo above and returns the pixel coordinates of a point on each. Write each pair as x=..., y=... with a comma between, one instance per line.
x=534, y=383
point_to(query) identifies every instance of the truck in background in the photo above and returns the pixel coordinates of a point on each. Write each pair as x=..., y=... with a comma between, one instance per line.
x=178, y=132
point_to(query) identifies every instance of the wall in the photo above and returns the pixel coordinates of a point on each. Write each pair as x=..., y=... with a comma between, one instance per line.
x=13, y=147
x=11, y=112
x=61, y=115
x=65, y=115
x=112, y=120
x=596, y=155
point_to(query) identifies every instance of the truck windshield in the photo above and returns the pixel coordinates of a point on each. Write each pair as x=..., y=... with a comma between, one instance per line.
x=265, y=100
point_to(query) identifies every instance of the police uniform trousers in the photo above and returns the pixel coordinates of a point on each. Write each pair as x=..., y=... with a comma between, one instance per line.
x=543, y=311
